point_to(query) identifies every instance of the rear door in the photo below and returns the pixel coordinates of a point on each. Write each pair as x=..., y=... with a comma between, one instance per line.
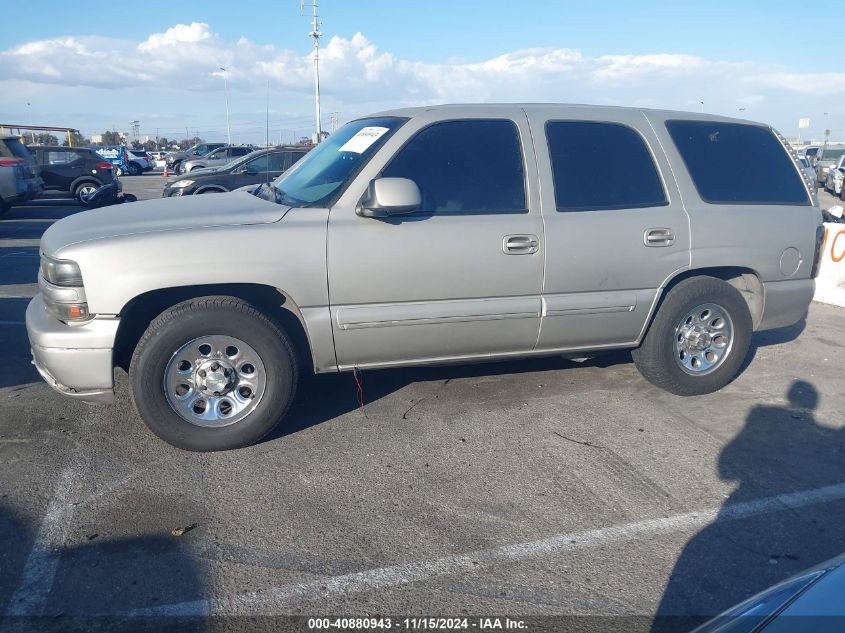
x=616, y=228
x=60, y=167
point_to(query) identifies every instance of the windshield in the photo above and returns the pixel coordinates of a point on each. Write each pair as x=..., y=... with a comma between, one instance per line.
x=324, y=171
x=833, y=154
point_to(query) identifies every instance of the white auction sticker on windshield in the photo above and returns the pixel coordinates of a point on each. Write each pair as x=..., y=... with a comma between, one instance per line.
x=363, y=139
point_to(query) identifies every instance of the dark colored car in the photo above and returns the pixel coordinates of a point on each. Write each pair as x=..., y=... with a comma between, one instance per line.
x=257, y=167
x=813, y=600
x=73, y=170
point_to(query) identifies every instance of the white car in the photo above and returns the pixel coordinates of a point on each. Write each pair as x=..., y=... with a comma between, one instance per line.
x=835, y=176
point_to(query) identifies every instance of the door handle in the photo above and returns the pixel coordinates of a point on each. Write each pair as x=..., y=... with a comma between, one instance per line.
x=659, y=237
x=520, y=244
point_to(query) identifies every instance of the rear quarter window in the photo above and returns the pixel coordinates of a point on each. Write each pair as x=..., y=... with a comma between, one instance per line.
x=735, y=163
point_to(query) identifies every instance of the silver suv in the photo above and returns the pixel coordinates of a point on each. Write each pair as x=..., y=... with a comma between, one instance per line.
x=434, y=235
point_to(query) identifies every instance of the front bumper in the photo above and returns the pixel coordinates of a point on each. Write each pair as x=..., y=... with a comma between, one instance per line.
x=75, y=360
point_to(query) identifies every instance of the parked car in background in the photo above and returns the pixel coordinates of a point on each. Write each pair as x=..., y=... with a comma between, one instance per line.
x=809, y=601
x=19, y=180
x=118, y=157
x=72, y=170
x=834, y=177
x=827, y=159
x=142, y=158
x=174, y=160
x=216, y=158
x=809, y=172
x=260, y=166
x=432, y=235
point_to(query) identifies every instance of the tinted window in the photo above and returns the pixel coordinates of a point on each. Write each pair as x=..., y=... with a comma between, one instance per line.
x=240, y=151
x=258, y=164
x=13, y=148
x=465, y=167
x=733, y=163
x=601, y=166
x=276, y=161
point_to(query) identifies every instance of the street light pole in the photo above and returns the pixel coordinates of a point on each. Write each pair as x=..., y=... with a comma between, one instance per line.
x=226, y=93
x=31, y=131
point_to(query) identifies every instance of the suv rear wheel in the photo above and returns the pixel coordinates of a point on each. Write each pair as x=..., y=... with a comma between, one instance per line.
x=134, y=169
x=698, y=339
x=212, y=374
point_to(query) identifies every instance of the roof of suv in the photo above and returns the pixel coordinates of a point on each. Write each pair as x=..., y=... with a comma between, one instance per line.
x=468, y=108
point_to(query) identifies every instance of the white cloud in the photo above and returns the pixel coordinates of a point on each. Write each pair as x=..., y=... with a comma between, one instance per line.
x=357, y=76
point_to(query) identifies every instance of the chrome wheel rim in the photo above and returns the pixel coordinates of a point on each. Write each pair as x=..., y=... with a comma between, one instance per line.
x=85, y=191
x=703, y=339
x=214, y=381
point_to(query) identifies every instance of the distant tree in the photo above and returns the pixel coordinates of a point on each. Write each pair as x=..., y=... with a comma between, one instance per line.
x=188, y=142
x=76, y=140
x=46, y=139
x=150, y=146
x=136, y=145
x=111, y=137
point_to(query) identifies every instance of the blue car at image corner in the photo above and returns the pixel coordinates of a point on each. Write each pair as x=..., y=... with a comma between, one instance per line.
x=117, y=156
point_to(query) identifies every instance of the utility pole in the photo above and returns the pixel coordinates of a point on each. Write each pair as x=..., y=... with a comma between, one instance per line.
x=315, y=34
x=31, y=131
x=226, y=92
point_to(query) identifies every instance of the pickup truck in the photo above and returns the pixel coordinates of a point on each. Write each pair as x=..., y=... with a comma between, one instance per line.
x=446, y=234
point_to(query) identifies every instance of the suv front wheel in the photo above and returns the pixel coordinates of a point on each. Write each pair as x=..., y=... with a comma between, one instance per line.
x=212, y=374
x=698, y=339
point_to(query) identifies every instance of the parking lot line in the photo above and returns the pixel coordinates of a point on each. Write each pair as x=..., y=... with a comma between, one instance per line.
x=36, y=580
x=266, y=602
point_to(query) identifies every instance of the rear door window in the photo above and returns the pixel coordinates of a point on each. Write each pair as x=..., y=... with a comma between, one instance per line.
x=466, y=166
x=598, y=165
x=61, y=158
x=735, y=163
x=240, y=151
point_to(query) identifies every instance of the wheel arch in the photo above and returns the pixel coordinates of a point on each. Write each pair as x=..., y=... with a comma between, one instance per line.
x=218, y=188
x=82, y=180
x=746, y=280
x=140, y=311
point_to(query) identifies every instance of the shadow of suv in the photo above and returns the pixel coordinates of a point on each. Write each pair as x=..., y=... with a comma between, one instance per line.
x=72, y=170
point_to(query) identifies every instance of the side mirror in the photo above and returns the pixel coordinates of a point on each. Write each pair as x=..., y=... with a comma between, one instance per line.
x=390, y=196
x=250, y=170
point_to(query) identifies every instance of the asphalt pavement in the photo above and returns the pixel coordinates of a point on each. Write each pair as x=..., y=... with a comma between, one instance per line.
x=531, y=488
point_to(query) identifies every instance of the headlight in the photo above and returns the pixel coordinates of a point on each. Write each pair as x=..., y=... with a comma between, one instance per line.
x=61, y=272
x=181, y=184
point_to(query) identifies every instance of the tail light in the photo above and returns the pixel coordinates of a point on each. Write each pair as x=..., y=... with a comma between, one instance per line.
x=103, y=165
x=817, y=256
x=10, y=162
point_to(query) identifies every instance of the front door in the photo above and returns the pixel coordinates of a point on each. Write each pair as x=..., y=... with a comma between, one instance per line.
x=462, y=277
x=616, y=228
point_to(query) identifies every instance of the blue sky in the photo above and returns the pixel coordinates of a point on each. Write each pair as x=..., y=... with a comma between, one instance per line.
x=99, y=68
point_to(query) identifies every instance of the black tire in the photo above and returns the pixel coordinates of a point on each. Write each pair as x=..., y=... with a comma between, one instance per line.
x=134, y=169
x=214, y=315
x=4, y=206
x=655, y=358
